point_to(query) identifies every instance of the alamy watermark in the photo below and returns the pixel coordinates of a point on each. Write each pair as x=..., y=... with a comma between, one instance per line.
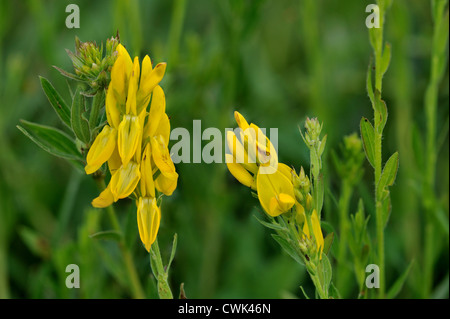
x=247, y=146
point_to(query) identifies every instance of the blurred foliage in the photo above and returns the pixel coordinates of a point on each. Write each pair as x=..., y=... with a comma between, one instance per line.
x=277, y=62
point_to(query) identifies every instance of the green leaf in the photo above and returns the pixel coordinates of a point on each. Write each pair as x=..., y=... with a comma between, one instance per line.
x=113, y=235
x=288, y=248
x=80, y=124
x=386, y=208
x=327, y=272
x=388, y=175
x=386, y=58
x=397, y=286
x=37, y=244
x=51, y=140
x=328, y=241
x=368, y=138
x=323, y=142
x=334, y=292
x=57, y=102
x=369, y=85
x=97, y=103
x=172, y=254
x=304, y=292
x=381, y=111
x=274, y=225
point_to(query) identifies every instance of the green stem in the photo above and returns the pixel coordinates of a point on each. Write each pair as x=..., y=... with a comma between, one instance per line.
x=164, y=290
x=378, y=51
x=136, y=288
x=344, y=228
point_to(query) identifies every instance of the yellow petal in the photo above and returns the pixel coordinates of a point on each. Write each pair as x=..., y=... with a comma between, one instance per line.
x=317, y=231
x=166, y=184
x=157, y=109
x=101, y=149
x=280, y=204
x=126, y=57
x=239, y=153
x=129, y=136
x=164, y=128
x=275, y=193
x=112, y=108
x=114, y=161
x=149, y=80
x=266, y=152
x=241, y=121
x=132, y=89
x=161, y=157
x=147, y=184
x=285, y=170
x=143, y=97
x=148, y=219
x=299, y=214
x=125, y=180
x=119, y=80
x=105, y=199
x=239, y=172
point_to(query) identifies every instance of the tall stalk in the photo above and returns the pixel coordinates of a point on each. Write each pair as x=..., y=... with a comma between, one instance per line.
x=135, y=284
x=437, y=70
x=373, y=135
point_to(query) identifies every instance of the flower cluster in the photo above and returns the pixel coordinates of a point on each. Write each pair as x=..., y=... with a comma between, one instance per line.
x=253, y=161
x=134, y=143
x=92, y=65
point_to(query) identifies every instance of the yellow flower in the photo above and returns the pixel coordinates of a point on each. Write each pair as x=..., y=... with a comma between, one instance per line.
x=148, y=219
x=275, y=192
x=166, y=182
x=105, y=198
x=251, y=152
x=317, y=230
x=157, y=111
x=135, y=142
x=240, y=173
x=147, y=185
x=130, y=135
x=101, y=150
x=125, y=180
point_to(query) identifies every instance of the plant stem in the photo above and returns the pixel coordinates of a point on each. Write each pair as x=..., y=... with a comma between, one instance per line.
x=437, y=66
x=164, y=290
x=136, y=288
x=378, y=135
x=344, y=228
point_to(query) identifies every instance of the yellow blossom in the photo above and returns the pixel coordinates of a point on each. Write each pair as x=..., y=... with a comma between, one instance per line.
x=275, y=193
x=101, y=150
x=148, y=219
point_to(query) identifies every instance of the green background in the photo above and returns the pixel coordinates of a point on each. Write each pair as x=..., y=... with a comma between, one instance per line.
x=276, y=62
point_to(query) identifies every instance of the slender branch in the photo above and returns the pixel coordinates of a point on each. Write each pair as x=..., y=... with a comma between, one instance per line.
x=136, y=288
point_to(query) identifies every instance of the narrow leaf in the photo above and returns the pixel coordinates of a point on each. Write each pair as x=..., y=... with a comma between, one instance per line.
x=328, y=241
x=172, y=254
x=368, y=138
x=51, y=140
x=386, y=58
x=80, y=125
x=388, y=175
x=57, y=102
x=397, y=286
x=288, y=248
x=113, y=235
x=369, y=85
x=274, y=225
x=381, y=111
